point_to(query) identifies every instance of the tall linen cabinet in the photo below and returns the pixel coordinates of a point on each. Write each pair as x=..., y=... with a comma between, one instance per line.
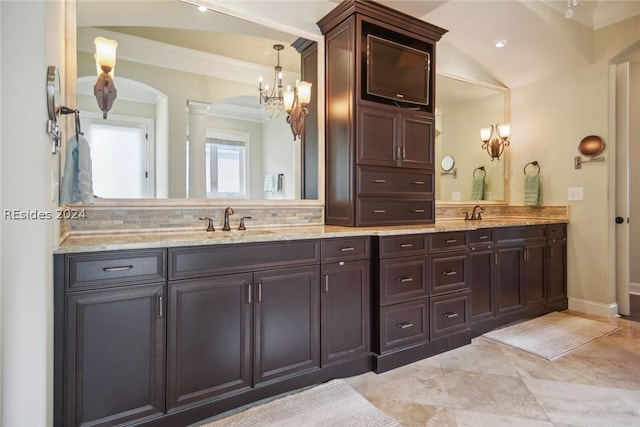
x=379, y=150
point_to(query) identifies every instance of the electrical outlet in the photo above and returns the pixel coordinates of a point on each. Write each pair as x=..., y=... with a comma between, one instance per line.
x=575, y=194
x=455, y=196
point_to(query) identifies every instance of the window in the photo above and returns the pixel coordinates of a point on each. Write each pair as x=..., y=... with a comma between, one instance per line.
x=226, y=164
x=121, y=156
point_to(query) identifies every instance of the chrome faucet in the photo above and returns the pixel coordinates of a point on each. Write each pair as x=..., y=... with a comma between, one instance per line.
x=228, y=211
x=479, y=215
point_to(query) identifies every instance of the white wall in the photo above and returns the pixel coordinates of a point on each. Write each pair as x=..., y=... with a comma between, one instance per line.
x=548, y=120
x=32, y=37
x=634, y=171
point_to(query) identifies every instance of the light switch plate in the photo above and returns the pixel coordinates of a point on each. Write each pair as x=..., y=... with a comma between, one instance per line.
x=575, y=194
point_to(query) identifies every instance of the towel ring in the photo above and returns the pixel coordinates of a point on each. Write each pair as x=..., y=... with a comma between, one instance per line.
x=481, y=168
x=534, y=163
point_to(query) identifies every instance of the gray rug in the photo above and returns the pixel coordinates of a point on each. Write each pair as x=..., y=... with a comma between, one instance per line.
x=552, y=335
x=334, y=403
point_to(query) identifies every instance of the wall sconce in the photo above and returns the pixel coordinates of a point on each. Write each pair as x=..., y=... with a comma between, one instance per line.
x=295, y=104
x=495, y=147
x=105, y=90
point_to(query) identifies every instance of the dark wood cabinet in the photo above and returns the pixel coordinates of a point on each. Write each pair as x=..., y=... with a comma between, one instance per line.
x=209, y=338
x=557, y=269
x=509, y=279
x=535, y=279
x=287, y=322
x=481, y=282
x=365, y=130
x=114, y=355
x=345, y=300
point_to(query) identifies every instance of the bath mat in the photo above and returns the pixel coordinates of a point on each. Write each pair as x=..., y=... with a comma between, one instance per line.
x=552, y=335
x=334, y=403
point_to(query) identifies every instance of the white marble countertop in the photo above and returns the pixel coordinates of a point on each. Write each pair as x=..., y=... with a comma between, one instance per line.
x=95, y=242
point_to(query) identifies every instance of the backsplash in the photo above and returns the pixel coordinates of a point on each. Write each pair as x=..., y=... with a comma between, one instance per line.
x=115, y=219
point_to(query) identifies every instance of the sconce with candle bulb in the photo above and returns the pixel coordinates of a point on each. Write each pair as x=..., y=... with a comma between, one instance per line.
x=105, y=90
x=495, y=147
x=295, y=104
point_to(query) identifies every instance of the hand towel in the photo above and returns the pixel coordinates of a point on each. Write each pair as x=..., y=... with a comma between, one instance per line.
x=477, y=190
x=532, y=194
x=77, y=183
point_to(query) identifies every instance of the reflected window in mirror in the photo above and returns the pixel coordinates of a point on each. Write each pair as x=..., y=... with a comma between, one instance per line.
x=226, y=164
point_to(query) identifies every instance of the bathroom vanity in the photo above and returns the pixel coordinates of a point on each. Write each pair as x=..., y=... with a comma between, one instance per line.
x=176, y=327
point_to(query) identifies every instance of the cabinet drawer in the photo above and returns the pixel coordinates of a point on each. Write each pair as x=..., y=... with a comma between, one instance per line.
x=115, y=268
x=507, y=234
x=403, y=324
x=448, y=240
x=556, y=231
x=448, y=273
x=387, y=211
x=345, y=249
x=402, y=279
x=449, y=314
x=379, y=180
x=213, y=260
x=411, y=244
x=481, y=237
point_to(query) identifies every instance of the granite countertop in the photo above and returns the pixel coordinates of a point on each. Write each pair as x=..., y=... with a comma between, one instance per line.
x=95, y=242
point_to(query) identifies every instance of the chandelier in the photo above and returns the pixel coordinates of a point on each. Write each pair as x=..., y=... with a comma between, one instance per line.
x=273, y=100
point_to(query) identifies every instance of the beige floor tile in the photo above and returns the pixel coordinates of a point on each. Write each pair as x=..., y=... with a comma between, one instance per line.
x=480, y=419
x=481, y=356
x=417, y=415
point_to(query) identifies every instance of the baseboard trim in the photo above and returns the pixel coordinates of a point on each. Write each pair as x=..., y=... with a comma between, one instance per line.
x=634, y=288
x=593, y=308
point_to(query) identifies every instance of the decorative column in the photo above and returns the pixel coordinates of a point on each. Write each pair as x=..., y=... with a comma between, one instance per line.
x=197, y=138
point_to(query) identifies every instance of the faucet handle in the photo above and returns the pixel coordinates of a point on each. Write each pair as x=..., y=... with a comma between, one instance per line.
x=241, y=226
x=210, y=226
x=466, y=216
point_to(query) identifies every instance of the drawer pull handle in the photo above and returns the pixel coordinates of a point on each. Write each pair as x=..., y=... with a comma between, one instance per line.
x=418, y=182
x=451, y=241
x=160, y=306
x=418, y=211
x=482, y=237
x=405, y=325
x=450, y=273
x=348, y=249
x=406, y=245
x=379, y=181
x=259, y=299
x=405, y=279
x=121, y=268
x=248, y=293
x=451, y=315
x=377, y=211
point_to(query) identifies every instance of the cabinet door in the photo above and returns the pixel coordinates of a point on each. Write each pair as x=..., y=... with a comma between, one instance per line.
x=377, y=137
x=510, y=278
x=209, y=338
x=345, y=310
x=481, y=283
x=115, y=346
x=557, y=270
x=287, y=322
x=535, y=277
x=416, y=136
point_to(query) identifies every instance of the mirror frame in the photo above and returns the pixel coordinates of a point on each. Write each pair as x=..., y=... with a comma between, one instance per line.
x=70, y=72
x=507, y=156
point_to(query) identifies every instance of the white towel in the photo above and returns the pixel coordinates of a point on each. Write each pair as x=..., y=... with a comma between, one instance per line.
x=270, y=183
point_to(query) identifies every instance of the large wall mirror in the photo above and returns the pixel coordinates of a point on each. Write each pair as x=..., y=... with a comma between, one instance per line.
x=462, y=168
x=181, y=74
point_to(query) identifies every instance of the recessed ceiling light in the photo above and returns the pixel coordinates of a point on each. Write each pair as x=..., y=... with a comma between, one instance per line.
x=202, y=8
x=500, y=43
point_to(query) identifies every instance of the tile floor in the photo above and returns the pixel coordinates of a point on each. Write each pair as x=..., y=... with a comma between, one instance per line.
x=490, y=384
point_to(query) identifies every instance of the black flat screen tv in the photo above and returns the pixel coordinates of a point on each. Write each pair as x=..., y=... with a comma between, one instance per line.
x=397, y=72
